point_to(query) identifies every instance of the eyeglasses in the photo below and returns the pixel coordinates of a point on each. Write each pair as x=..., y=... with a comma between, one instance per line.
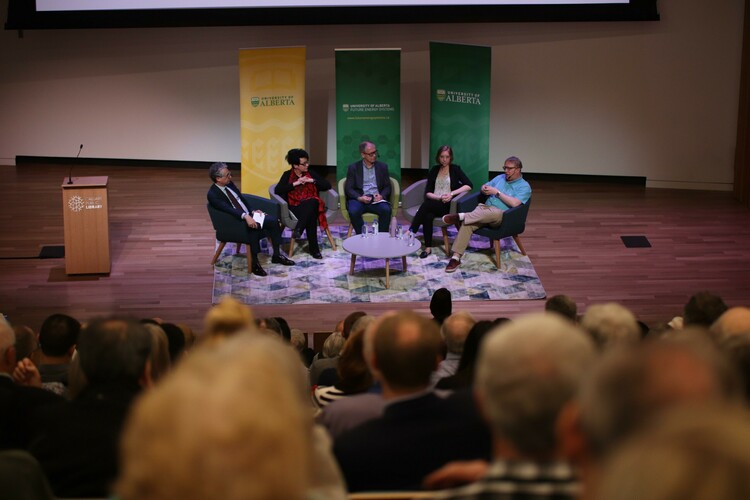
x=227, y=174
x=509, y=168
x=304, y=163
x=373, y=153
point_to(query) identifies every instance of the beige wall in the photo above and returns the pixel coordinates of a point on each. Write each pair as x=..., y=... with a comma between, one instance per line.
x=654, y=99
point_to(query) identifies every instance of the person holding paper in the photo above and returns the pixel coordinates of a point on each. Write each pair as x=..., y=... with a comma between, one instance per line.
x=301, y=187
x=225, y=196
x=368, y=188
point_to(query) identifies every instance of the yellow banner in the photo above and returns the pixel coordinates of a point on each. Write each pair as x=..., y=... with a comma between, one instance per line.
x=272, y=113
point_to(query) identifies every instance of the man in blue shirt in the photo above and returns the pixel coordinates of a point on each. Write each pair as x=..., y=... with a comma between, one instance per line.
x=505, y=191
x=368, y=188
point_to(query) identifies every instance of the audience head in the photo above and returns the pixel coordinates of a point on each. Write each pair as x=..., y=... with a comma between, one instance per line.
x=175, y=340
x=115, y=352
x=333, y=345
x=703, y=309
x=734, y=320
x=353, y=372
x=160, y=362
x=455, y=329
x=7, y=348
x=58, y=335
x=611, y=324
x=229, y=422
x=631, y=385
x=346, y=328
x=187, y=332
x=737, y=350
x=286, y=332
x=402, y=350
x=297, y=339
x=441, y=305
x=361, y=325
x=228, y=317
x=26, y=342
x=563, y=305
x=472, y=347
x=688, y=454
x=527, y=371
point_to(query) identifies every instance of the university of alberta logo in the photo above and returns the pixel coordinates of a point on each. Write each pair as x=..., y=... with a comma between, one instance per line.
x=440, y=95
x=345, y=107
x=75, y=203
x=254, y=101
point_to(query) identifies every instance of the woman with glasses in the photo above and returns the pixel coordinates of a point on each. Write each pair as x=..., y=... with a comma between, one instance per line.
x=445, y=181
x=300, y=187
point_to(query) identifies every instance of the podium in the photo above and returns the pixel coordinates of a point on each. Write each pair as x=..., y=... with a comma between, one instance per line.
x=86, y=223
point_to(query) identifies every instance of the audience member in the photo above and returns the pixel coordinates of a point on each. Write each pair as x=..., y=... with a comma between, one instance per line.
x=286, y=331
x=57, y=342
x=160, y=362
x=77, y=441
x=354, y=376
x=527, y=372
x=631, y=386
x=175, y=341
x=703, y=309
x=327, y=358
x=689, y=454
x=464, y=377
x=563, y=305
x=299, y=342
x=187, y=332
x=454, y=330
x=441, y=305
x=16, y=401
x=229, y=449
x=734, y=320
x=418, y=431
x=228, y=317
x=737, y=350
x=610, y=324
x=27, y=344
x=346, y=326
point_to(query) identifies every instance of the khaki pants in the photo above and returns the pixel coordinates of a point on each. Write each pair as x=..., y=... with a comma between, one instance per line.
x=483, y=215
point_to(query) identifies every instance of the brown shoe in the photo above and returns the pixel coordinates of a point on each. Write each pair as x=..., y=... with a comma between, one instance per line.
x=451, y=219
x=452, y=265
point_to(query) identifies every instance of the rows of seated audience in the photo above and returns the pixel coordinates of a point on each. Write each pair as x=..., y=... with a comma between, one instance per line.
x=552, y=405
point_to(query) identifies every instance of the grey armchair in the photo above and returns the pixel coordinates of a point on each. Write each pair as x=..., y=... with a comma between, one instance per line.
x=229, y=229
x=412, y=199
x=331, y=199
x=513, y=224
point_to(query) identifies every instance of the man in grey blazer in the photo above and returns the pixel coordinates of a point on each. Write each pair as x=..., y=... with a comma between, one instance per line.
x=368, y=188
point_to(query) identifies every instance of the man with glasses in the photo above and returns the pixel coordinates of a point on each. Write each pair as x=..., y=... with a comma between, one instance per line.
x=368, y=188
x=225, y=196
x=505, y=191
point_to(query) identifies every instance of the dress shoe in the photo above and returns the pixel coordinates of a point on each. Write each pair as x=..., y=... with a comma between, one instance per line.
x=258, y=271
x=451, y=219
x=316, y=255
x=425, y=254
x=280, y=259
x=452, y=265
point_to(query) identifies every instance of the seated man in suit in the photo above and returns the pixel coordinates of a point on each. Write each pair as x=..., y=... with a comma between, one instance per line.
x=418, y=431
x=225, y=196
x=368, y=188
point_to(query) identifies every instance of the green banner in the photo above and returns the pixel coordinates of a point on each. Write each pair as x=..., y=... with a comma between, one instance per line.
x=368, y=106
x=460, y=105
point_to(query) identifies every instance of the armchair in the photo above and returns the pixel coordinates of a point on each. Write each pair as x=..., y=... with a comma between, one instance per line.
x=513, y=224
x=395, y=194
x=412, y=199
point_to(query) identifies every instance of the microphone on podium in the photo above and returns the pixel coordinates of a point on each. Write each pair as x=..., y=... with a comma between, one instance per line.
x=70, y=172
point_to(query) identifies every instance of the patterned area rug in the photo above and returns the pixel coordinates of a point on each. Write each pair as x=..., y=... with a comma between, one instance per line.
x=326, y=281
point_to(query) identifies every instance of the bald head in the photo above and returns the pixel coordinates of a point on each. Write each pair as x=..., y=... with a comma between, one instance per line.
x=734, y=321
x=455, y=329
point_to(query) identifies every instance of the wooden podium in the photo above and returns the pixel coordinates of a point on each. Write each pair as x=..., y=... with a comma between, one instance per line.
x=86, y=222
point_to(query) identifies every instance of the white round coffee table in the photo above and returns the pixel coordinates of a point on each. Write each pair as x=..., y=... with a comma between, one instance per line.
x=380, y=246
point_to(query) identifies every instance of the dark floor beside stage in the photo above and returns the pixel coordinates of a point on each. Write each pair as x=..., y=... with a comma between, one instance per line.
x=162, y=244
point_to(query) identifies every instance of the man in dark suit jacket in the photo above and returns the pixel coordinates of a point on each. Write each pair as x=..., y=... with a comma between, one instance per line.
x=225, y=196
x=368, y=188
x=419, y=431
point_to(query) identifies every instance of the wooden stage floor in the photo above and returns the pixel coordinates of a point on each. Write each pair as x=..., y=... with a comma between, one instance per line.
x=162, y=243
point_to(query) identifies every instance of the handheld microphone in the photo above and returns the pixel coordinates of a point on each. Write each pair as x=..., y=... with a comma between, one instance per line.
x=70, y=172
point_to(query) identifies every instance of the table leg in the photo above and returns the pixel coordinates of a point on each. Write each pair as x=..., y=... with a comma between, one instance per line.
x=403, y=262
x=351, y=268
x=387, y=273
